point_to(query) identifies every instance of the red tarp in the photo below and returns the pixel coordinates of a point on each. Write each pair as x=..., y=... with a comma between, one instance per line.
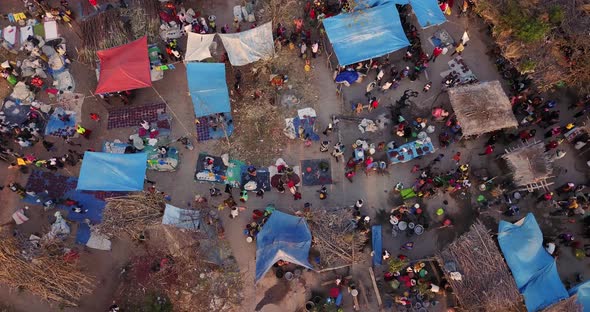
x=125, y=67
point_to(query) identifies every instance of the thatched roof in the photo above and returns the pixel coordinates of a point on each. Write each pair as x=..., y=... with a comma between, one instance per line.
x=529, y=164
x=486, y=284
x=568, y=305
x=482, y=108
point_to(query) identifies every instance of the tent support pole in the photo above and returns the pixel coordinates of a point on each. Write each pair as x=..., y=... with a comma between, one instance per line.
x=188, y=133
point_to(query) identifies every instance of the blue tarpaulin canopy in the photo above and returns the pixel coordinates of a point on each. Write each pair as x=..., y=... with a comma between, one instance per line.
x=534, y=270
x=112, y=172
x=208, y=88
x=283, y=237
x=366, y=34
x=427, y=12
x=583, y=292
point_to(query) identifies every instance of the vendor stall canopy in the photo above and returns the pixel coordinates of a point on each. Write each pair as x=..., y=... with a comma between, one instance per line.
x=125, y=67
x=249, y=46
x=529, y=164
x=208, y=88
x=482, y=108
x=112, y=172
x=427, y=12
x=283, y=237
x=533, y=268
x=366, y=34
x=198, y=46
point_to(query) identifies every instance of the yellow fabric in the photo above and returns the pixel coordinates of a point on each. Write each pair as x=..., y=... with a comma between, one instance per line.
x=80, y=130
x=460, y=48
x=21, y=162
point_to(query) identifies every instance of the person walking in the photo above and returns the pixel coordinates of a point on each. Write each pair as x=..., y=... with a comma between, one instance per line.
x=435, y=53
x=489, y=150
x=459, y=48
x=314, y=49
x=457, y=158
x=438, y=158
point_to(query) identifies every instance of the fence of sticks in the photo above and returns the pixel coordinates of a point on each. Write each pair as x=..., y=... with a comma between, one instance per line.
x=48, y=275
x=132, y=214
x=335, y=238
x=116, y=27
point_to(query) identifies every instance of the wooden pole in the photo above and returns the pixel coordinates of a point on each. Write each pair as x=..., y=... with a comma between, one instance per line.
x=377, y=294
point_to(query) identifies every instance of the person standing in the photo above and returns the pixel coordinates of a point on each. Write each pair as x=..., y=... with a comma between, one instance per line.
x=94, y=4
x=435, y=53
x=459, y=48
x=457, y=158
x=489, y=150
x=314, y=49
x=303, y=48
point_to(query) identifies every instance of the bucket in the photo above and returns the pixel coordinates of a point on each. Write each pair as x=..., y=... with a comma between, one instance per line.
x=288, y=276
x=309, y=306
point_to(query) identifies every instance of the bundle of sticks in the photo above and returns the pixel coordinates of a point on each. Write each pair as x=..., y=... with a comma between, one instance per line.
x=335, y=238
x=105, y=30
x=131, y=214
x=144, y=19
x=47, y=276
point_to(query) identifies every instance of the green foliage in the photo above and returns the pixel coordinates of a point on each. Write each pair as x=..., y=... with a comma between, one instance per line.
x=396, y=265
x=527, y=66
x=556, y=14
x=526, y=27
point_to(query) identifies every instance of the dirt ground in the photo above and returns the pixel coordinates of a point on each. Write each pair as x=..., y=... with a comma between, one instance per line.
x=270, y=294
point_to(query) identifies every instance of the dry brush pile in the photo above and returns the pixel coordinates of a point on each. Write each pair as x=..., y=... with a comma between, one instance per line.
x=547, y=38
x=48, y=275
x=132, y=214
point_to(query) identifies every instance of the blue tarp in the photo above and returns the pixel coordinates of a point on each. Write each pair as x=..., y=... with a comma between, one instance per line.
x=208, y=88
x=283, y=237
x=377, y=241
x=534, y=270
x=112, y=172
x=583, y=292
x=349, y=76
x=366, y=34
x=427, y=12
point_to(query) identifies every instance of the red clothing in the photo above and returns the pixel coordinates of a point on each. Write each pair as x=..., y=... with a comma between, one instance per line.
x=489, y=150
x=93, y=2
x=437, y=51
x=374, y=104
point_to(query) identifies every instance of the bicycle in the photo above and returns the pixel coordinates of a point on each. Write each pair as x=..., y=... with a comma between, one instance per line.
x=405, y=101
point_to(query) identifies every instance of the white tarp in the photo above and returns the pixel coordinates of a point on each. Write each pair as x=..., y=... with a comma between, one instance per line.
x=197, y=46
x=181, y=218
x=249, y=46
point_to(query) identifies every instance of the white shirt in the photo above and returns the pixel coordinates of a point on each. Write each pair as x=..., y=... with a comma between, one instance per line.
x=303, y=48
x=387, y=85
x=380, y=74
x=315, y=47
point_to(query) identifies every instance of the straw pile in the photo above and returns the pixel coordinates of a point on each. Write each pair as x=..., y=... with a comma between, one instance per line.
x=482, y=108
x=47, y=276
x=131, y=214
x=529, y=164
x=103, y=31
x=486, y=284
x=144, y=19
x=568, y=305
x=334, y=237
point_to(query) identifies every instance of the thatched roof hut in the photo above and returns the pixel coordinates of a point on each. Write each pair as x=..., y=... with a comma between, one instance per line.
x=568, y=305
x=486, y=283
x=482, y=108
x=529, y=163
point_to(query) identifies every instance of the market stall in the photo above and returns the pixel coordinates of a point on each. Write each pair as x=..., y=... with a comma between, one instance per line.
x=409, y=151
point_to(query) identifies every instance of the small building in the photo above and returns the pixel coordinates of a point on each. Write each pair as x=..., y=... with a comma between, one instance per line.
x=482, y=108
x=477, y=273
x=530, y=165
